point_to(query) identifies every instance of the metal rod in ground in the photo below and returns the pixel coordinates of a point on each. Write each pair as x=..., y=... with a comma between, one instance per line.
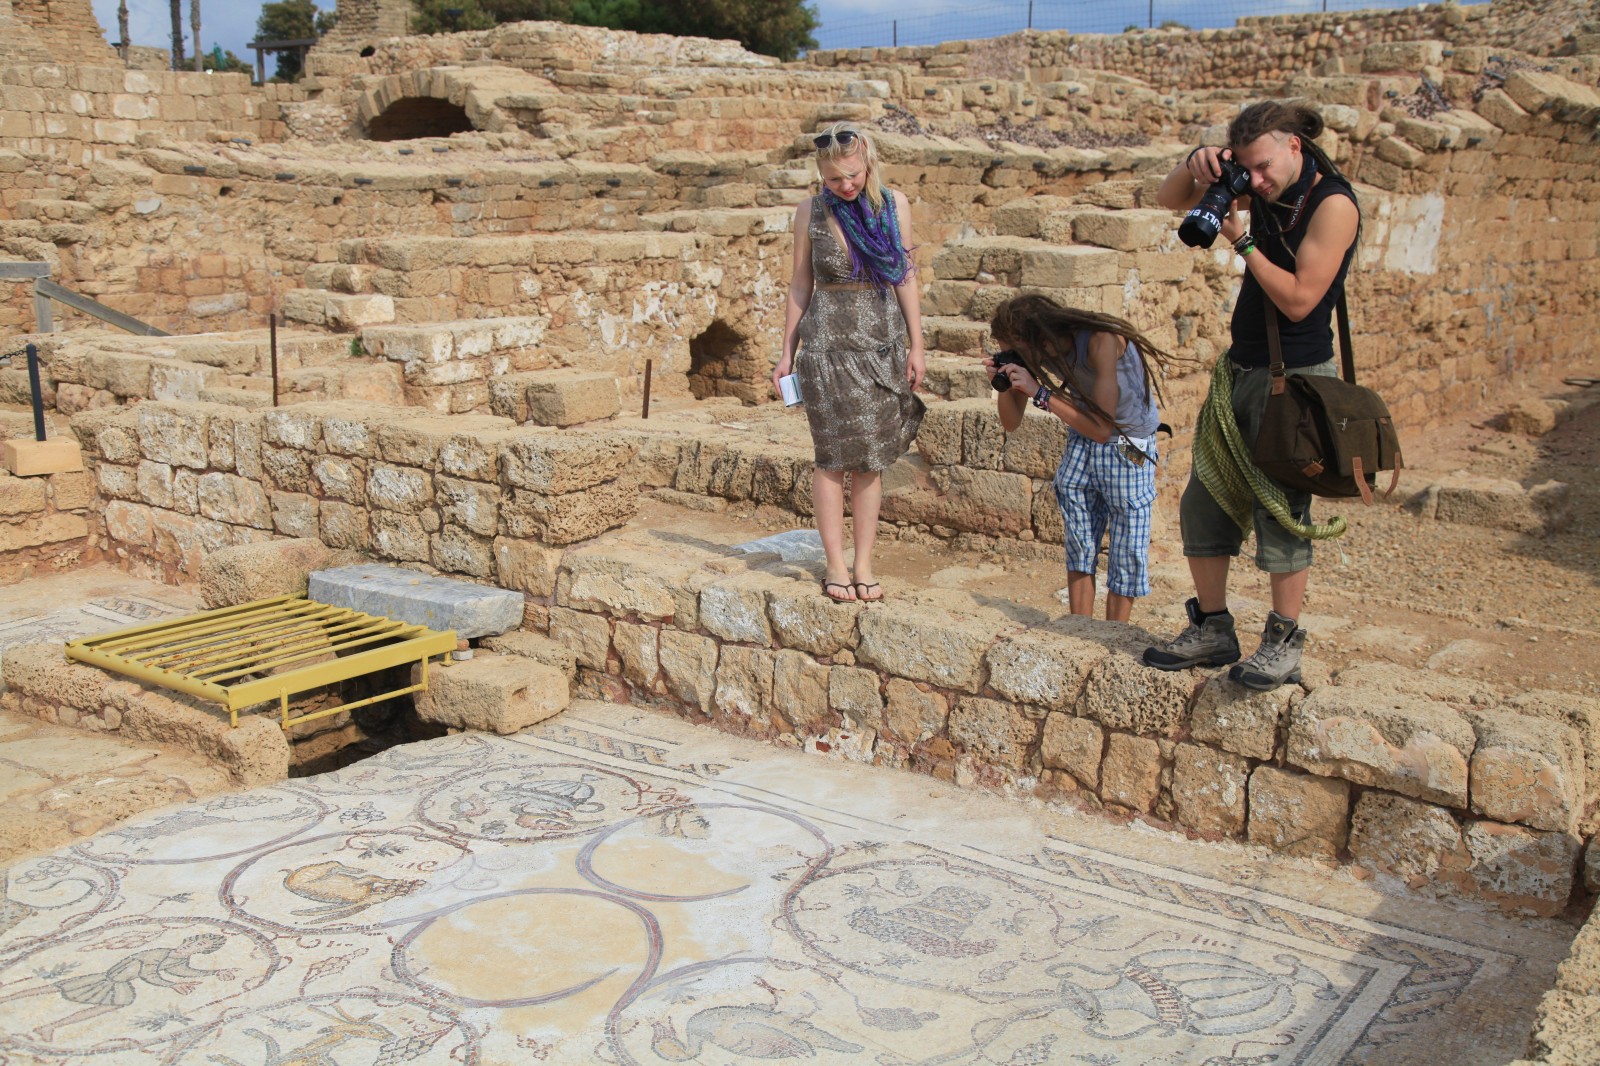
x=646, y=414
x=38, y=393
x=272, y=327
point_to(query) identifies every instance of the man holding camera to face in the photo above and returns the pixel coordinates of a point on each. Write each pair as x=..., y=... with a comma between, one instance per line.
x=1297, y=248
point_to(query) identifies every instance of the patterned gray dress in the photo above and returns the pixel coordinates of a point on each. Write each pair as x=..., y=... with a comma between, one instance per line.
x=852, y=363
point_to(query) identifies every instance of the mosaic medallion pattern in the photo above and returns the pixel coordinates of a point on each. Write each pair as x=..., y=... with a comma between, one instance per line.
x=600, y=891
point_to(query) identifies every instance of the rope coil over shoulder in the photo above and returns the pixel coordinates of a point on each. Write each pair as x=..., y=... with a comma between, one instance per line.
x=1223, y=465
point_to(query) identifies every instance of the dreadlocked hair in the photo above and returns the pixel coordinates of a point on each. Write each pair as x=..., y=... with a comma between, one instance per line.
x=1284, y=116
x=1048, y=334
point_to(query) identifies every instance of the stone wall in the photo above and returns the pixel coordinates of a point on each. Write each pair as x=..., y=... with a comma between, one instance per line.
x=470, y=495
x=1434, y=782
x=1256, y=53
x=68, y=29
x=81, y=114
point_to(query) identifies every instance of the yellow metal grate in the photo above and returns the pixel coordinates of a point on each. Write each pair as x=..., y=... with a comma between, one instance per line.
x=266, y=650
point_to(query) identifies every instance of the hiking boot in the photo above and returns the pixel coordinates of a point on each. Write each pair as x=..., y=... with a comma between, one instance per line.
x=1277, y=661
x=1211, y=642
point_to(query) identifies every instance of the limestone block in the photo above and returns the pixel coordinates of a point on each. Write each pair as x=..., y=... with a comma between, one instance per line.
x=1130, y=776
x=926, y=642
x=1129, y=230
x=129, y=523
x=1424, y=684
x=246, y=572
x=1497, y=503
x=534, y=646
x=855, y=693
x=491, y=693
x=175, y=435
x=977, y=501
x=623, y=581
x=1035, y=448
x=800, y=688
x=638, y=648
x=1414, y=841
x=735, y=608
x=72, y=491
x=1535, y=91
x=1522, y=869
x=1069, y=267
x=1410, y=746
x=555, y=397
x=471, y=505
x=1401, y=153
x=295, y=514
x=1209, y=788
x=569, y=517
x=1123, y=693
x=994, y=732
x=1580, y=713
x=1296, y=814
x=234, y=500
x=341, y=525
x=340, y=478
x=1532, y=418
x=689, y=662
x=524, y=565
x=459, y=551
x=939, y=437
x=1566, y=1031
x=49, y=529
x=587, y=636
x=1526, y=770
x=440, y=603
x=1043, y=665
x=118, y=482
x=1401, y=55
x=20, y=495
x=1500, y=109
x=803, y=618
x=1238, y=719
x=743, y=693
x=395, y=536
x=1074, y=745
x=399, y=488
x=1591, y=867
x=551, y=463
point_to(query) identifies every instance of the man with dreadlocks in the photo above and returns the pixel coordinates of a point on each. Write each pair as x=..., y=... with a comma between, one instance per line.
x=1304, y=221
x=1097, y=374
x=853, y=336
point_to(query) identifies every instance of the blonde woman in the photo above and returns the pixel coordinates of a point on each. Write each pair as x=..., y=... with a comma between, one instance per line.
x=852, y=333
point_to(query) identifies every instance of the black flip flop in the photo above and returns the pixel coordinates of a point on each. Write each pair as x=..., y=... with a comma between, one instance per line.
x=827, y=585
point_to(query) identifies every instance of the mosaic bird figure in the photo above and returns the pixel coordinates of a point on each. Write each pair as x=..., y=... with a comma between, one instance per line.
x=753, y=1031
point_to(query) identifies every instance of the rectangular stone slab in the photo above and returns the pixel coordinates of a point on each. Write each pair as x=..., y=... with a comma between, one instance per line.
x=421, y=599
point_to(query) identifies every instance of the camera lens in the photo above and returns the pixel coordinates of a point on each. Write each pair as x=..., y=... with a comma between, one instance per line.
x=1204, y=221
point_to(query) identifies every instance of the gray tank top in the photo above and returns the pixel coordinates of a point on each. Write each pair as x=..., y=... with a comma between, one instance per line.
x=1136, y=413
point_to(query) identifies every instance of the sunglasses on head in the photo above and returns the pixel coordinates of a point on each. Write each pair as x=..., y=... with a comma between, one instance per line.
x=844, y=138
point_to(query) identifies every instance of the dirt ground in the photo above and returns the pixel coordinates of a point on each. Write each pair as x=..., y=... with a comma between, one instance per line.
x=1514, y=610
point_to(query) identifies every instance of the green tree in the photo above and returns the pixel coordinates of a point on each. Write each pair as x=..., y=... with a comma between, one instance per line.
x=291, y=20
x=451, y=16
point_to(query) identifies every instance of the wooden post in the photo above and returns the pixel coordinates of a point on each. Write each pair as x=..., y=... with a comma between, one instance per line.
x=647, y=363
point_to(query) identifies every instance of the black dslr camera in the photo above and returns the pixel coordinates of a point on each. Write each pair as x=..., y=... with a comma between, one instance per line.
x=1199, y=229
x=1009, y=357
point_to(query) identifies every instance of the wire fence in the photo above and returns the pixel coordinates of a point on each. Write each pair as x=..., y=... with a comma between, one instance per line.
x=997, y=18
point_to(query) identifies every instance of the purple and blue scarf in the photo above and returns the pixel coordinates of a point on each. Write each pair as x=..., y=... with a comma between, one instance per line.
x=872, y=238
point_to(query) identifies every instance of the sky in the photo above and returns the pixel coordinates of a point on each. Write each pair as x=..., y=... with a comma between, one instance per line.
x=845, y=23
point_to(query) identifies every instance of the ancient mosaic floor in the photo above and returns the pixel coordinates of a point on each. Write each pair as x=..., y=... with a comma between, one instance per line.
x=617, y=887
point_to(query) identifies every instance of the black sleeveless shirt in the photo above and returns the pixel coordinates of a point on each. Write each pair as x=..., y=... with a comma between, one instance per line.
x=1309, y=341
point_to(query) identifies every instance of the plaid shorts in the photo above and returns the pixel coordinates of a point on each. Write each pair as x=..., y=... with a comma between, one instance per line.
x=1098, y=489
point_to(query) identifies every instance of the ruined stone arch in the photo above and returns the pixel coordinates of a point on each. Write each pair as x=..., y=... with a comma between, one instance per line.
x=428, y=103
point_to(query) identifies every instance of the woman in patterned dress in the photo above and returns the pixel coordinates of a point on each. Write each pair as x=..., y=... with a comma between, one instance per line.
x=853, y=335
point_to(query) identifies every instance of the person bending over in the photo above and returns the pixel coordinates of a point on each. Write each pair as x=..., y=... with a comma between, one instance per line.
x=1097, y=374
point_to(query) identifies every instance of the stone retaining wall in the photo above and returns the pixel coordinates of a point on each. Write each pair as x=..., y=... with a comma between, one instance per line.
x=1432, y=781
x=1255, y=53
x=473, y=495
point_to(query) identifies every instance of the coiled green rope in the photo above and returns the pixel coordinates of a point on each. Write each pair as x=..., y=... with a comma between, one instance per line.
x=1223, y=465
